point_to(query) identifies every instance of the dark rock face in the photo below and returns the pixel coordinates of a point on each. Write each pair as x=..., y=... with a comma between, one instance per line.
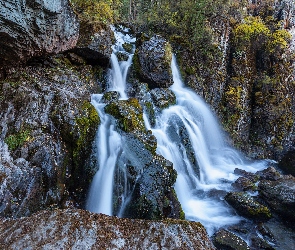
x=287, y=163
x=152, y=61
x=280, y=196
x=247, y=206
x=95, y=44
x=35, y=28
x=226, y=240
x=78, y=229
x=47, y=126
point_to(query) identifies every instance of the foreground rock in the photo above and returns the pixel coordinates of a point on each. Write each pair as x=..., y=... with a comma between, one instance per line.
x=35, y=28
x=78, y=229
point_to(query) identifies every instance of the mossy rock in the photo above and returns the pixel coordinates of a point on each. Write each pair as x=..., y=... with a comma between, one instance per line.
x=122, y=56
x=129, y=114
x=128, y=47
x=246, y=206
x=110, y=96
x=287, y=163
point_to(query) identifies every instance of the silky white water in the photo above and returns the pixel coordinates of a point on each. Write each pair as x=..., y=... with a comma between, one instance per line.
x=100, y=198
x=197, y=190
x=202, y=182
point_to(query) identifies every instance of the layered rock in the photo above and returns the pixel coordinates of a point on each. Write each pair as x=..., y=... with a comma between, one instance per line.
x=35, y=28
x=78, y=229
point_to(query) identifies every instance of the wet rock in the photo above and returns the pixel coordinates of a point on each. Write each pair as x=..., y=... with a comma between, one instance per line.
x=225, y=240
x=269, y=173
x=35, y=28
x=287, y=163
x=252, y=177
x=122, y=56
x=110, y=96
x=152, y=62
x=78, y=229
x=128, y=114
x=163, y=98
x=246, y=206
x=128, y=47
x=95, y=43
x=280, y=196
x=244, y=184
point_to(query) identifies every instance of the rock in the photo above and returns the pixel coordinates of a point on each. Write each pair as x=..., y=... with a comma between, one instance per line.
x=47, y=127
x=152, y=62
x=269, y=173
x=225, y=240
x=110, y=96
x=163, y=98
x=122, y=56
x=95, y=43
x=246, y=206
x=128, y=114
x=287, y=163
x=128, y=47
x=244, y=184
x=280, y=196
x=35, y=28
x=78, y=229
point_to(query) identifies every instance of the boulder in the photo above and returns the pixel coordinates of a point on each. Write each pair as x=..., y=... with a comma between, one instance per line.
x=78, y=229
x=246, y=206
x=152, y=62
x=35, y=28
x=225, y=240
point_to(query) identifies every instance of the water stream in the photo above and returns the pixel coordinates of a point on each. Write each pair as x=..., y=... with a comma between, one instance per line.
x=201, y=182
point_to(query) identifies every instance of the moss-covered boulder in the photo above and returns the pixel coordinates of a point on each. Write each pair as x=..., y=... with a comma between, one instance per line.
x=245, y=205
x=110, y=96
x=128, y=114
x=152, y=62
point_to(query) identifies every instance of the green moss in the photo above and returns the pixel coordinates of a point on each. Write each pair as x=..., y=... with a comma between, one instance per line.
x=128, y=47
x=128, y=114
x=17, y=140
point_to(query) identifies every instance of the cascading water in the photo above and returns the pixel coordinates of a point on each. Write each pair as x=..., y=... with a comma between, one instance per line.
x=199, y=181
x=189, y=136
x=108, y=141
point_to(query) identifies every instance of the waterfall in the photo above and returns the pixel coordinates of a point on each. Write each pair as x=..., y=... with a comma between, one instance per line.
x=204, y=162
x=200, y=191
x=100, y=198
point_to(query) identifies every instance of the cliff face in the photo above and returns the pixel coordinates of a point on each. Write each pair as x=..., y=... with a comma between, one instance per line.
x=35, y=28
x=249, y=79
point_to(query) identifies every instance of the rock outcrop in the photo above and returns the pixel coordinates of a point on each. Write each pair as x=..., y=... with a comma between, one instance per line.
x=47, y=126
x=152, y=62
x=78, y=229
x=95, y=44
x=35, y=28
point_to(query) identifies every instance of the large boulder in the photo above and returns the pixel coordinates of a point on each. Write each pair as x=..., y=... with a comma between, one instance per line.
x=35, y=28
x=78, y=229
x=226, y=240
x=152, y=62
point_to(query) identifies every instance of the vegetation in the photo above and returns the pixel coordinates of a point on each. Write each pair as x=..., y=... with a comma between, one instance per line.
x=17, y=140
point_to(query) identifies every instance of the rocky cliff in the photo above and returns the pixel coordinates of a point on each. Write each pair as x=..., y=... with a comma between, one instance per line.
x=35, y=28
